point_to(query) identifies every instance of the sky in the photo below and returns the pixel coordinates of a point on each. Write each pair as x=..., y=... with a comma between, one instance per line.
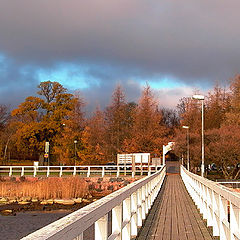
x=177, y=47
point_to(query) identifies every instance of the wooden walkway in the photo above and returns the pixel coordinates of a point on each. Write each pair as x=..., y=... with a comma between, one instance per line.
x=174, y=215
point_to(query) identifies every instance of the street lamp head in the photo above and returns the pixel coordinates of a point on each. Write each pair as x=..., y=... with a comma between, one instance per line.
x=75, y=141
x=186, y=127
x=198, y=97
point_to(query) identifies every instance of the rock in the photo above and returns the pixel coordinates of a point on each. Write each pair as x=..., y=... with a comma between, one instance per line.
x=49, y=201
x=77, y=200
x=23, y=202
x=86, y=200
x=8, y=212
x=34, y=200
x=68, y=202
x=44, y=202
x=59, y=201
x=3, y=200
x=25, y=199
x=12, y=201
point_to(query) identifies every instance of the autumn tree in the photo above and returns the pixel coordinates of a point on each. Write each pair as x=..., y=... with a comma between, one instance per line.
x=223, y=148
x=94, y=147
x=41, y=119
x=117, y=117
x=148, y=132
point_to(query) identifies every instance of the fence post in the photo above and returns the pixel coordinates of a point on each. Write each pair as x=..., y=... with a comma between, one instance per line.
x=34, y=171
x=118, y=171
x=61, y=170
x=48, y=171
x=10, y=171
x=101, y=231
x=103, y=172
x=22, y=172
x=88, y=172
x=74, y=170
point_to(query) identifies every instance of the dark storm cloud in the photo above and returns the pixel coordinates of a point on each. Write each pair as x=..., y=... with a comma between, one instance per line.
x=192, y=41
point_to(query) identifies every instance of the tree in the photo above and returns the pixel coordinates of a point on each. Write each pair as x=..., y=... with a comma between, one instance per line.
x=41, y=119
x=115, y=122
x=223, y=148
x=148, y=132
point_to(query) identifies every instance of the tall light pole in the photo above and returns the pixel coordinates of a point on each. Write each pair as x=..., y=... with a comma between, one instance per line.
x=188, y=160
x=201, y=98
x=75, y=151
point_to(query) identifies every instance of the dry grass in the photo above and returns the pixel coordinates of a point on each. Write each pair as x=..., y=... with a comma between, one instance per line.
x=61, y=188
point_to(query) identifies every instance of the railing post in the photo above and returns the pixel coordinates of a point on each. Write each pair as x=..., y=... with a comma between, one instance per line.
x=223, y=218
x=215, y=206
x=234, y=221
x=139, y=207
x=143, y=202
x=134, y=214
x=117, y=221
x=80, y=237
x=10, y=171
x=101, y=231
x=126, y=232
x=22, y=172
x=209, y=207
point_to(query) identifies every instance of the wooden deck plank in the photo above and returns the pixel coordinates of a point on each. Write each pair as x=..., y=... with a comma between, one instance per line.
x=174, y=215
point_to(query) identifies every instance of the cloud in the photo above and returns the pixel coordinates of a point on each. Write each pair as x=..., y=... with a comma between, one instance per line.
x=99, y=43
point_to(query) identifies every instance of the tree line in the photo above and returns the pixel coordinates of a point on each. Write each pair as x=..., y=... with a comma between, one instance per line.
x=56, y=116
x=59, y=117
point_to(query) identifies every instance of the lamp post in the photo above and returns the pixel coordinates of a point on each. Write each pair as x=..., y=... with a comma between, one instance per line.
x=75, y=151
x=188, y=160
x=201, y=98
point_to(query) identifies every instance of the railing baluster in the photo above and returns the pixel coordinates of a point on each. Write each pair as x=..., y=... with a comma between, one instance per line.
x=234, y=221
x=139, y=205
x=223, y=209
x=134, y=214
x=126, y=232
x=101, y=230
x=117, y=221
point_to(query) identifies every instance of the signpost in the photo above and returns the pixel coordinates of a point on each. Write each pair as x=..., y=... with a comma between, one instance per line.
x=46, y=155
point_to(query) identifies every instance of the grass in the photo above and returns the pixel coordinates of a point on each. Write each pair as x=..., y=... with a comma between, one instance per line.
x=48, y=188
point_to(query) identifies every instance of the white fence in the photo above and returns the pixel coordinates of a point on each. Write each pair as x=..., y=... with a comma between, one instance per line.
x=218, y=204
x=128, y=207
x=88, y=171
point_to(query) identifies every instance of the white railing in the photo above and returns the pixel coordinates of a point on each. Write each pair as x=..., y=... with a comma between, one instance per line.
x=218, y=204
x=128, y=208
x=88, y=171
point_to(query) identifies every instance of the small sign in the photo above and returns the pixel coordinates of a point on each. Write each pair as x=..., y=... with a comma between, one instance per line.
x=46, y=155
x=46, y=147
